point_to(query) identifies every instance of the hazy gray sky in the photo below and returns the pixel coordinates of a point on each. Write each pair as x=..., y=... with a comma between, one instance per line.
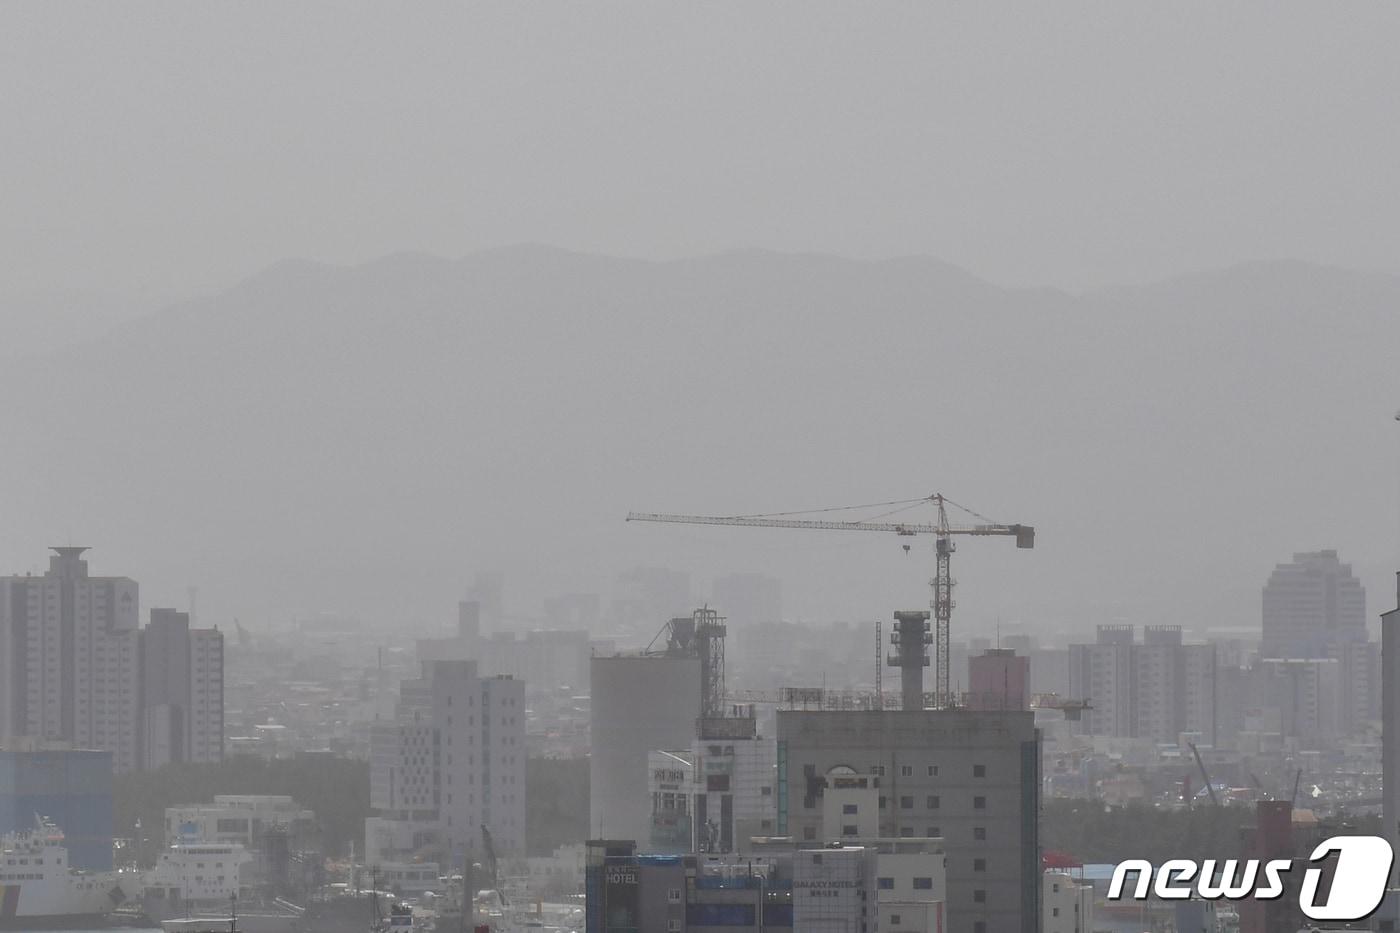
x=164, y=149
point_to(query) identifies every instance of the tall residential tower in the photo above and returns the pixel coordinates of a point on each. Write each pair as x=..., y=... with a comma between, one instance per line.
x=69, y=659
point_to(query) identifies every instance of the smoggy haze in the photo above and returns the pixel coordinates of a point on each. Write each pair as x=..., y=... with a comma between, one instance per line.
x=165, y=151
x=296, y=440
x=364, y=439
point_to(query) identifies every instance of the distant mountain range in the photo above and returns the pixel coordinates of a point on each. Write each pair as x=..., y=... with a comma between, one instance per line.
x=362, y=439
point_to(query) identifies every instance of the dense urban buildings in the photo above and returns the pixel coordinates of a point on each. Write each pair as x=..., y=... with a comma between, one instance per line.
x=76, y=671
x=1155, y=689
x=749, y=598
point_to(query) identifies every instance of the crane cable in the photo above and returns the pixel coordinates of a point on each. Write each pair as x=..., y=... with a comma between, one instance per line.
x=904, y=504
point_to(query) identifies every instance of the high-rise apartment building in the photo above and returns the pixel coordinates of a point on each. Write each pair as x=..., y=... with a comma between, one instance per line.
x=452, y=762
x=1303, y=699
x=70, y=658
x=182, y=691
x=1155, y=689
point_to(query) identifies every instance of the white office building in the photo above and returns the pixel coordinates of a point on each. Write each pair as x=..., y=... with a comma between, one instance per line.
x=451, y=762
x=716, y=796
x=242, y=819
x=835, y=890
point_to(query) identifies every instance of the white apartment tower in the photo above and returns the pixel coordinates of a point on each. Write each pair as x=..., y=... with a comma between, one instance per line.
x=70, y=660
x=452, y=762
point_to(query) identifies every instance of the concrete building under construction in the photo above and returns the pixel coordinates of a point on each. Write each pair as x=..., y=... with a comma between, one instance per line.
x=647, y=700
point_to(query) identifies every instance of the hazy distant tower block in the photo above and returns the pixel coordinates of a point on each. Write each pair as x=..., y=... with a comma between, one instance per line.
x=182, y=691
x=749, y=598
x=1154, y=689
x=71, y=658
x=1314, y=607
x=1310, y=606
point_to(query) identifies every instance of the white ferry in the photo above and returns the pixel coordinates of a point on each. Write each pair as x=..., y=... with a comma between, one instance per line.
x=38, y=889
x=192, y=876
x=195, y=886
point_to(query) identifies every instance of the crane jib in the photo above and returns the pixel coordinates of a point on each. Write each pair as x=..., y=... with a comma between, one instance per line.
x=942, y=583
x=1024, y=534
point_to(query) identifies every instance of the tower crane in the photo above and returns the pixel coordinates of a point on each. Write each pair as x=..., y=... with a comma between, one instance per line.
x=941, y=528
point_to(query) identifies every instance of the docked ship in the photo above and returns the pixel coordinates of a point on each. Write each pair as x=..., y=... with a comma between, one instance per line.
x=40, y=890
x=195, y=884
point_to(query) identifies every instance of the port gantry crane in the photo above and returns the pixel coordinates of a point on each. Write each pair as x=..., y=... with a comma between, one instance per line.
x=942, y=530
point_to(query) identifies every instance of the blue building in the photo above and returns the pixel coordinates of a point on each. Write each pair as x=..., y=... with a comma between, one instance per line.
x=627, y=892
x=71, y=788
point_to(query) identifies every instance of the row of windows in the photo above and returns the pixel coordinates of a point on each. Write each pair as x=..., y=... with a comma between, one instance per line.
x=978, y=771
x=979, y=833
x=931, y=802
